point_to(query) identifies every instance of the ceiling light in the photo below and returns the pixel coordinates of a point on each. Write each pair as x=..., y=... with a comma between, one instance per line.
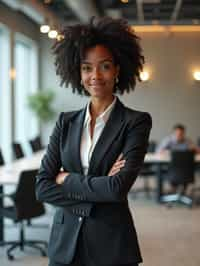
x=60, y=37
x=196, y=75
x=124, y=1
x=144, y=75
x=52, y=34
x=44, y=28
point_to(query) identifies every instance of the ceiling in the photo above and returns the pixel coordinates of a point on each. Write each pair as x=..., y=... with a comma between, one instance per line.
x=137, y=12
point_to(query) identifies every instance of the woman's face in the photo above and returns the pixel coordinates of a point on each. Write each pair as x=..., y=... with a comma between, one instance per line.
x=98, y=72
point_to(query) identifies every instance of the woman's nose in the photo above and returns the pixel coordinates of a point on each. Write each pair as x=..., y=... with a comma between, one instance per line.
x=96, y=74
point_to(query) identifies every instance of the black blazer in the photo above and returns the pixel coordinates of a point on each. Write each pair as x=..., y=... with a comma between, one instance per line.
x=100, y=199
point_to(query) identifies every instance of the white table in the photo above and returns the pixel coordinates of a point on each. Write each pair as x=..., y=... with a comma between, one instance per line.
x=9, y=173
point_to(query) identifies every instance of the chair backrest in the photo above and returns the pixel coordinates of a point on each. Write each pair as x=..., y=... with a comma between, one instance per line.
x=182, y=167
x=27, y=206
x=17, y=150
x=152, y=146
x=1, y=158
x=36, y=144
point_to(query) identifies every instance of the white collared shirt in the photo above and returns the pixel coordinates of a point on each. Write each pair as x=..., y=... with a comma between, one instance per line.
x=88, y=143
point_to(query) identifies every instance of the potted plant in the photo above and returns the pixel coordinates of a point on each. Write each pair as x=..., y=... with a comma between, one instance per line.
x=40, y=103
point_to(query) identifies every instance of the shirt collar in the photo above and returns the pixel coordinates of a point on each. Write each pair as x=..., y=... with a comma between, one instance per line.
x=102, y=117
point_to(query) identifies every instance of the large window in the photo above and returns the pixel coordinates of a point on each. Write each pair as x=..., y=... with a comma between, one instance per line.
x=26, y=82
x=5, y=94
x=17, y=123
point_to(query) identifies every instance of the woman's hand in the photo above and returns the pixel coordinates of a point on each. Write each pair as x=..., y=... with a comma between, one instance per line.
x=60, y=178
x=119, y=163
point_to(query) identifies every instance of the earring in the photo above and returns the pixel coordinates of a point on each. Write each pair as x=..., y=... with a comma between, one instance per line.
x=81, y=82
x=116, y=80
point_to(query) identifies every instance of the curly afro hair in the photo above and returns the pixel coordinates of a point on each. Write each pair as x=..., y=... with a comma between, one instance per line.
x=114, y=34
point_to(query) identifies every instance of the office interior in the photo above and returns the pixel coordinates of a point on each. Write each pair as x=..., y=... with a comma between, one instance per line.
x=170, y=92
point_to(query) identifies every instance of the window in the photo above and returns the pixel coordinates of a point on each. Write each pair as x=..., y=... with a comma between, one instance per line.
x=5, y=94
x=26, y=83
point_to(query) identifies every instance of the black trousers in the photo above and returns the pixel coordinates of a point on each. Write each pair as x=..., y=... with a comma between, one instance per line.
x=81, y=257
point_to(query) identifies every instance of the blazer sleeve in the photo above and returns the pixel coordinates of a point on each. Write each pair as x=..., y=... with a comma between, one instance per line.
x=46, y=188
x=114, y=188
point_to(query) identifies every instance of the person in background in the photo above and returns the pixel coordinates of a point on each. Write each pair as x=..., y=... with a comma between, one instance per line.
x=177, y=141
x=100, y=148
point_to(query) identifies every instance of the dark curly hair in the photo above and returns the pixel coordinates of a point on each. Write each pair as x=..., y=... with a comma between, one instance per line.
x=114, y=34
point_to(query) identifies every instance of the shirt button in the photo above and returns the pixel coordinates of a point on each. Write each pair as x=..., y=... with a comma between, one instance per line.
x=80, y=219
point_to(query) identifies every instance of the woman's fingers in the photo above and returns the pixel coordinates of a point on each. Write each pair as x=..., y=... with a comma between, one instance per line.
x=118, y=163
x=116, y=167
x=119, y=157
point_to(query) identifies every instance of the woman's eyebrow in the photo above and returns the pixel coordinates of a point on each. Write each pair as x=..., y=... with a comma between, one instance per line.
x=100, y=61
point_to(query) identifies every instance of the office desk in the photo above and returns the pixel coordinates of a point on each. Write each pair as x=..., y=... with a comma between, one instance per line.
x=9, y=174
x=159, y=160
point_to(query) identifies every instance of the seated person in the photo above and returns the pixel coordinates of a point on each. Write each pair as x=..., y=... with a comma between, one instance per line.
x=177, y=141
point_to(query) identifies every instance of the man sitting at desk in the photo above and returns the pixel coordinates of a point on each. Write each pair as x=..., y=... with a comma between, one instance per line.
x=177, y=141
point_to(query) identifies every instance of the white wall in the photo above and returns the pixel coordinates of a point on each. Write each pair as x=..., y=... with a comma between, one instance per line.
x=170, y=96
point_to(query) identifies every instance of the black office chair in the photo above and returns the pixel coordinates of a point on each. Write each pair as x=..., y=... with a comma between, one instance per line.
x=181, y=172
x=25, y=207
x=17, y=150
x=146, y=172
x=36, y=144
x=2, y=162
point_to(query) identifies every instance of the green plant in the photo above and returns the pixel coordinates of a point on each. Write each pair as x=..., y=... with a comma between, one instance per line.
x=40, y=103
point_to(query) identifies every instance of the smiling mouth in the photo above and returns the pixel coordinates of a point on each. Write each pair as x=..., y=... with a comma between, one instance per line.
x=97, y=85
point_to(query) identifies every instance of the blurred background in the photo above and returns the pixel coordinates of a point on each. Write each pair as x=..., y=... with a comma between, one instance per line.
x=31, y=99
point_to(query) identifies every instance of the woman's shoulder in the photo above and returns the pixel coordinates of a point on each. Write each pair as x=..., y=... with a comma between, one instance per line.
x=67, y=116
x=137, y=115
x=71, y=114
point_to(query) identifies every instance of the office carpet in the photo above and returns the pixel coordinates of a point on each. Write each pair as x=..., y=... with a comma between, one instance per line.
x=167, y=236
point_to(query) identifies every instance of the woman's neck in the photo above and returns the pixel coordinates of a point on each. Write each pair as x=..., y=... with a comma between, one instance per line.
x=98, y=106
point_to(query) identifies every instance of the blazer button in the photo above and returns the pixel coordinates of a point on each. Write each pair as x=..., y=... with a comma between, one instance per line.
x=80, y=219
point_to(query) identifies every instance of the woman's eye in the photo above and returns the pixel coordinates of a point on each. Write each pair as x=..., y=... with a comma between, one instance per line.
x=105, y=66
x=86, y=68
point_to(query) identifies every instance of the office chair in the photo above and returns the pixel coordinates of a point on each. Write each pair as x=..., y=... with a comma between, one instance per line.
x=181, y=172
x=17, y=150
x=25, y=207
x=146, y=172
x=36, y=144
x=2, y=162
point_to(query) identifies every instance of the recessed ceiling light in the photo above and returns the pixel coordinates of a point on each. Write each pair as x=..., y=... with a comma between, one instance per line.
x=52, y=34
x=44, y=28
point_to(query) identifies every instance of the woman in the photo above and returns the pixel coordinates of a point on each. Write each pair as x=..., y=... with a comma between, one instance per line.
x=100, y=149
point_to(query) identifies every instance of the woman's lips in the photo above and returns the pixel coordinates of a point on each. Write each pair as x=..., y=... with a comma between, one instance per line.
x=97, y=85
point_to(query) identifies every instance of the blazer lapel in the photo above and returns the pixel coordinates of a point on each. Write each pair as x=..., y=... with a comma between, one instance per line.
x=75, y=132
x=110, y=131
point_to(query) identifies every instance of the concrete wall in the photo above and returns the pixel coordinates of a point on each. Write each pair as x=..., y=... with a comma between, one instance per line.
x=171, y=95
